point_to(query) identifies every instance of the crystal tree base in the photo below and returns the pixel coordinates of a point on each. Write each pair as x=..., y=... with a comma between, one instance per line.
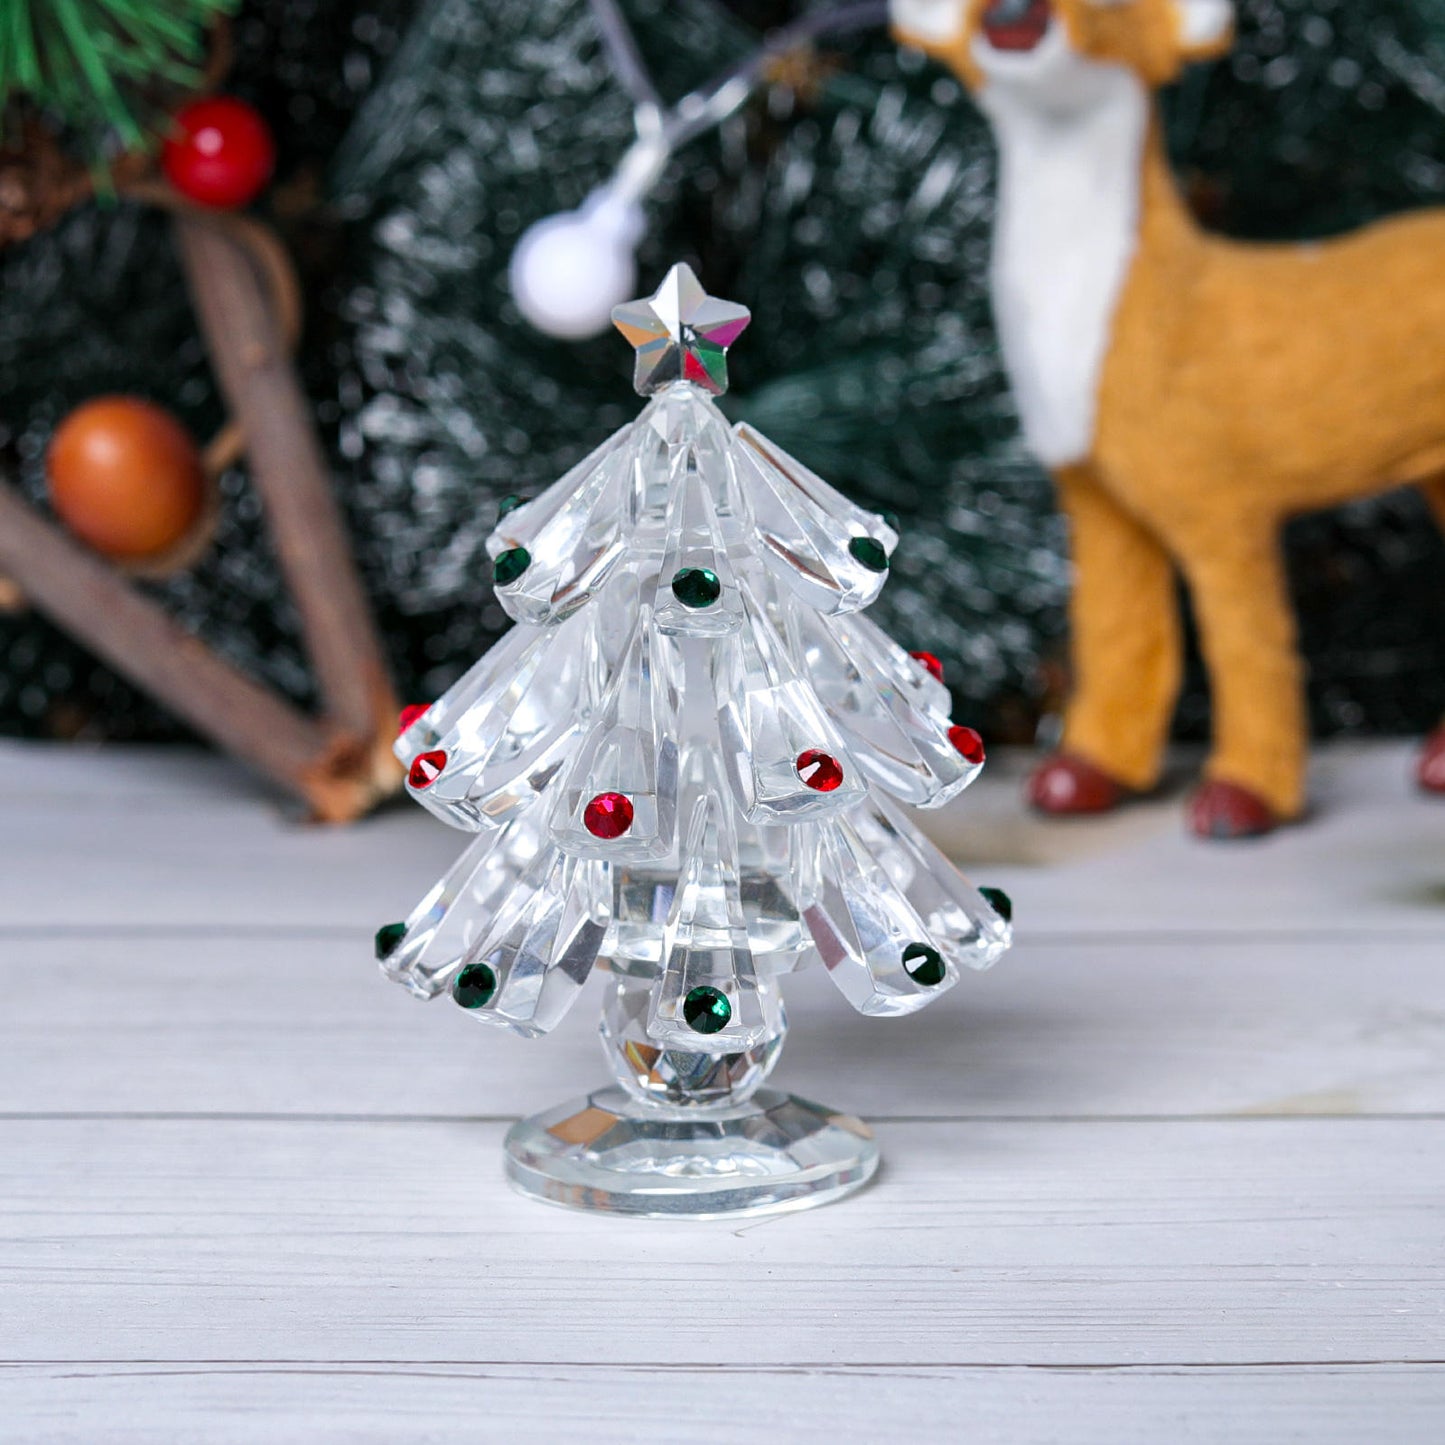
x=687, y=1135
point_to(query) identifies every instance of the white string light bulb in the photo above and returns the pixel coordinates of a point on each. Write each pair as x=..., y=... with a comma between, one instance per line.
x=570, y=269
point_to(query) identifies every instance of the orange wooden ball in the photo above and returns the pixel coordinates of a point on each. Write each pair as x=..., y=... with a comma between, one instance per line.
x=125, y=477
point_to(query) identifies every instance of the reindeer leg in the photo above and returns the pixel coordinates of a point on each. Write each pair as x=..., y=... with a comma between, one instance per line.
x=1254, y=779
x=1430, y=770
x=1124, y=621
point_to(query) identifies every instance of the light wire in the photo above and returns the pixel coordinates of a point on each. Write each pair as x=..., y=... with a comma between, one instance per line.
x=710, y=104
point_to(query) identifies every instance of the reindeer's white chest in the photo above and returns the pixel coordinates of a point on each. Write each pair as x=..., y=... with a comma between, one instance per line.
x=1067, y=228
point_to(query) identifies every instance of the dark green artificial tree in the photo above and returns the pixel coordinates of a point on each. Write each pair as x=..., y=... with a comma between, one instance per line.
x=848, y=205
x=96, y=303
x=849, y=215
x=101, y=64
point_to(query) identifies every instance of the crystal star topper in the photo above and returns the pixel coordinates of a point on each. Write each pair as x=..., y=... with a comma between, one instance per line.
x=680, y=333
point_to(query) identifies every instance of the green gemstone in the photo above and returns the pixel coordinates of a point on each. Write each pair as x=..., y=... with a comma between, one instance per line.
x=1000, y=902
x=509, y=503
x=706, y=1010
x=892, y=519
x=388, y=938
x=510, y=565
x=869, y=553
x=474, y=986
x=924, y=965
x=696, y=587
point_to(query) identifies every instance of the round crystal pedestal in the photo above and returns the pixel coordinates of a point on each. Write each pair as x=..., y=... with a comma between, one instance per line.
x=687, y=1135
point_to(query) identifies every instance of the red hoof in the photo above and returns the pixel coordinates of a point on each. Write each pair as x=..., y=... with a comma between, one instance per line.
x=1065, y=784
x=1431, y=770
x=1225, y=810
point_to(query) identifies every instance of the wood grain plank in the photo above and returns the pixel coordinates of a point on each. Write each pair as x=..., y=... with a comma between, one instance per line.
x=308, y=1026
x=71, y=1404
x=169, y=839
x=1042, y=1243
x=1369, y=859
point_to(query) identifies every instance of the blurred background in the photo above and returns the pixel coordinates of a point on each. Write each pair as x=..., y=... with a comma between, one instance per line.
x=847, y=203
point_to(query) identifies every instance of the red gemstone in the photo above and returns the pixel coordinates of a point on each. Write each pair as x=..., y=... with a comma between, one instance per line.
x=409, y=715
x=608, y=815
x=221, y=153
x=819, y=770
x=426, y=768
x=968, y=742
x=930, y=662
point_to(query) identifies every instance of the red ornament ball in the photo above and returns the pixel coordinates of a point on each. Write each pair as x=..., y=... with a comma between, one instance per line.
x=125, y=477
x=930, y=662
x=967, y=742
x=221, y=155
x=426, y=768
x=819, y=770
x=608, y=815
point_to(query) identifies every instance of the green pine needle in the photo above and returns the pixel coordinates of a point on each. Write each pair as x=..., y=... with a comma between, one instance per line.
x=97, y=65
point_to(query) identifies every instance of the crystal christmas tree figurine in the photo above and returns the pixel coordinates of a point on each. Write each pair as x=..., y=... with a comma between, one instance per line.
x=684, y=766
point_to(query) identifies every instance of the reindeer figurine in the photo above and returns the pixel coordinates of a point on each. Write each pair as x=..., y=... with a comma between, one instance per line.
x=1187, y=392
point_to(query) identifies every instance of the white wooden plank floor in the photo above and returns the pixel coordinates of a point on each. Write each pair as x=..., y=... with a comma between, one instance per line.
x=1173, y=1172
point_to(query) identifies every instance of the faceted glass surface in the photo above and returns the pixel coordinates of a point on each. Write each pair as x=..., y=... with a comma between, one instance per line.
x=959, y=919
x=863, y=924
x=681, y=333
x=697, y=593
x=769, y=717
x=542, y=941
x=885, y=889
x=678, y=1077
x=681, y=438
x=608, y=1154
x=901, y=742
x=426, y=729
x=505, y=747
x=630, y=747
x=806, y=544
x=706, y=945
x=773, y=875
x=520, y=526
x=443, y=927
x=570, y=554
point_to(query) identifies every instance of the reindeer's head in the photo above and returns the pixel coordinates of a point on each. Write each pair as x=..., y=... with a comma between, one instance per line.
x=1044, y=46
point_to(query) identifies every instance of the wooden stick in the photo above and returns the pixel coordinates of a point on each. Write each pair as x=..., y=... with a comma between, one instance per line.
x=84, y=595
x=247, y=300
x=248, y=351
x=283, y=292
